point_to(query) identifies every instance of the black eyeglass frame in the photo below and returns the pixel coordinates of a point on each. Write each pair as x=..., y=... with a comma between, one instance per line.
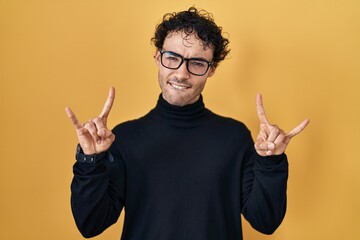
x=209, y=64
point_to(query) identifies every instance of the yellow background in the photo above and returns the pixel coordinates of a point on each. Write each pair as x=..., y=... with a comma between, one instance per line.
x=303, y=56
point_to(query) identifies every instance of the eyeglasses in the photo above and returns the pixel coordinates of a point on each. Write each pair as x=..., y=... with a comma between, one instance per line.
x=196, y=66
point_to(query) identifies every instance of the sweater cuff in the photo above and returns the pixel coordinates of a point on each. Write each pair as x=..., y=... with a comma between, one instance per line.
x=273, y=160
x=81, y=157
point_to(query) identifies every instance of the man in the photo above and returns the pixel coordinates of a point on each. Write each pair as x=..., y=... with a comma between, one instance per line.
x=181, y=171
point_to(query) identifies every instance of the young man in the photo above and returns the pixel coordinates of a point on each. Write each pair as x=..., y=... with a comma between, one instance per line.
x=181, y=171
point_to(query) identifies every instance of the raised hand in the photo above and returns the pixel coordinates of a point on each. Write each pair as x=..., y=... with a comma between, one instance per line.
x=272, y=140
x=94, y=136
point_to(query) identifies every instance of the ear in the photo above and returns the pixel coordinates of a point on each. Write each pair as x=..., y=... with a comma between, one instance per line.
x=211, y=71
x=157, y=56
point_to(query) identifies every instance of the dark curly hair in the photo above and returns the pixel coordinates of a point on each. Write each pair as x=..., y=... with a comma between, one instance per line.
x=194, y=21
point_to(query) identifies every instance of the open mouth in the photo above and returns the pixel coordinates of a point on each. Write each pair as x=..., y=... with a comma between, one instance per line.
x=178, y=86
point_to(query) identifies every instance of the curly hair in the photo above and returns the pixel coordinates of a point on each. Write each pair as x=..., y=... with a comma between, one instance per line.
x=194, y=21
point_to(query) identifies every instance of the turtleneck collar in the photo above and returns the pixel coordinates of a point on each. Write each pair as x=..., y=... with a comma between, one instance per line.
x=188, y=114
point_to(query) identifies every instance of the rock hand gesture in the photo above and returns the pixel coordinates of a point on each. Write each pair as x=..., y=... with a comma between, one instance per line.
x=272, y=140
x=94, y=136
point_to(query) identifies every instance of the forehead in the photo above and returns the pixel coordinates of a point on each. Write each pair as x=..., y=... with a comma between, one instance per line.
x=189, y=45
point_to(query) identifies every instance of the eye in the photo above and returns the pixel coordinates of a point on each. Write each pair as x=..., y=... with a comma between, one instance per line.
x=172, y=58
x=198, y=63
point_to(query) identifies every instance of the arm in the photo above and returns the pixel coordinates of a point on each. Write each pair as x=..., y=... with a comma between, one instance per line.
x=97, y=197
x=264, y=191
x=265, y=174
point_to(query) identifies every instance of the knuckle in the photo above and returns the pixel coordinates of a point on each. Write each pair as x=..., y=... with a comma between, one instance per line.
x=99, y=122
x=275, y=130
x=282, y=136
x=97, y=119
x=262, y=146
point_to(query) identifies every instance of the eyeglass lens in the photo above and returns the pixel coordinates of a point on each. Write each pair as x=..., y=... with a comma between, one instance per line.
x=173, y=61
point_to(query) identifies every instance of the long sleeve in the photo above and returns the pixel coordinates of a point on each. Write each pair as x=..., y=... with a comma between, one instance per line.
x=97, y=196
x=181, y=173
x=264, y=191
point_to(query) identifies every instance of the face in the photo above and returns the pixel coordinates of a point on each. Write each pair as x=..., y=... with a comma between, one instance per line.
x=179, y=87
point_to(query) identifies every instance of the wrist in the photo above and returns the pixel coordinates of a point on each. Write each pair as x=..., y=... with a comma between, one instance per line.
x=86, y=149
x=84, y=157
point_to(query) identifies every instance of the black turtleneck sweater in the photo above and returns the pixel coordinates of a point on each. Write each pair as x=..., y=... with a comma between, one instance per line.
x=180, y=173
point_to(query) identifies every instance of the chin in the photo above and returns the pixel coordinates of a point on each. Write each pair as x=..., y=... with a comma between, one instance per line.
x=176, y=101
x=179, y=100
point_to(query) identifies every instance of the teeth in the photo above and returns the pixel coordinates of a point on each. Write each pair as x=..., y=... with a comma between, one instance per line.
x=180, y=87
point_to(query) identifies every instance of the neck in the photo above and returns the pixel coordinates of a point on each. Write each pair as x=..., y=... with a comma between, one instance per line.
x=187, y=115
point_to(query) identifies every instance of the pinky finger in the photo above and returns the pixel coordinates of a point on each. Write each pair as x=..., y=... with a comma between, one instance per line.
x=73, y=118
x=298, y=129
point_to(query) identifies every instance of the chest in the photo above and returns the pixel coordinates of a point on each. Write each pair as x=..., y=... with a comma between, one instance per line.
x=184, y=156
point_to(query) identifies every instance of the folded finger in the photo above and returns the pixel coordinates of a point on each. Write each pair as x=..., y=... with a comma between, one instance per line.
x=91, y=128
x=274, y=133
x=280, y=139
x=100, y=126
x=261, y=149
x=262, y=136
x=261, y=146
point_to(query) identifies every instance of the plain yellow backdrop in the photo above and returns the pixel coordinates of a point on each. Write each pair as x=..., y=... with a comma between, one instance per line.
x=303, y=56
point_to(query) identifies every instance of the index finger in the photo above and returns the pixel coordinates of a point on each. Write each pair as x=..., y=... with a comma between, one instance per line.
x=73, y=118
x=108, y=104
x=260, y=109
x=298, y=129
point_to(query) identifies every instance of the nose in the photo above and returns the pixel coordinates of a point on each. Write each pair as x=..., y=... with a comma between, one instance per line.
x=182, y=72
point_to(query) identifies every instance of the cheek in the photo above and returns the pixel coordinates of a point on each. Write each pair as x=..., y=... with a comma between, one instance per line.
x=200, y=85
x=164, y=74
x=162, y=78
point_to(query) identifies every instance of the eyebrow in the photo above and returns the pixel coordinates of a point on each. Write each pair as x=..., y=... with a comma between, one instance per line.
x=192, y=58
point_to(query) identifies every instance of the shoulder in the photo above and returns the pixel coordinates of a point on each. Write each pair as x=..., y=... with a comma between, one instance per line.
x=229, y=128
x=128, y=126
x=134, y=127
x=228, y=122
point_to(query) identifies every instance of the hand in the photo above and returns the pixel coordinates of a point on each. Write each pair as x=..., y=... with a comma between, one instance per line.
x=94, y=136
x=272, y=140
